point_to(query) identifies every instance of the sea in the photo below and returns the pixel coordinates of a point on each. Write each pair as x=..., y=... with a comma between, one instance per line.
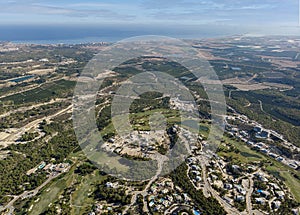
x=74, y=34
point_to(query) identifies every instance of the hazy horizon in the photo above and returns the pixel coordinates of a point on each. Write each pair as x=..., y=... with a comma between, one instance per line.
x=45, y=20
x=110, y=33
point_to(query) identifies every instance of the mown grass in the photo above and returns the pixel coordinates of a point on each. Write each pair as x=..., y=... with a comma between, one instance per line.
x=81, y=201
x=287, y=175
x=292, y=183
x=51, y=192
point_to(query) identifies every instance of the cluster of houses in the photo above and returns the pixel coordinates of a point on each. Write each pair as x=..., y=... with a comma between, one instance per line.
x=257, y=144
x=273, y=194
x=221, y=177
x=233, y=184
x=50, y=168
x=195, y=172
x=103, y=208
x=163, y=194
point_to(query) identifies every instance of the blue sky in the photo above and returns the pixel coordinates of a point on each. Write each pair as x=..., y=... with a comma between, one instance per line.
x=154, y=12
x=22, y=20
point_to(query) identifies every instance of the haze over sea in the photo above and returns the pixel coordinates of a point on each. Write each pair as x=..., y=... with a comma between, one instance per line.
x=73, y=34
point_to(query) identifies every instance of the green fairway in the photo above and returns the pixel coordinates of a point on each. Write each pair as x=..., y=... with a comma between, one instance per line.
x=81, y=202
x=50, y=194
x=286, y=174
x=292, y=183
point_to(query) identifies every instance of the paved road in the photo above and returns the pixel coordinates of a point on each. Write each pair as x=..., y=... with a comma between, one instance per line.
x=208, y=189
x=261, y=106
x=34, y=124
x=160, y=160
x=28, y=194
x=177, y=207
x=249, y=193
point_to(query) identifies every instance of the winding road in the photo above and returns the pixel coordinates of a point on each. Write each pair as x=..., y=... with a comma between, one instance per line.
x=160, y=161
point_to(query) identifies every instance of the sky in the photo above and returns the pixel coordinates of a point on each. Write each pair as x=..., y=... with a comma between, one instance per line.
x=277, y=15
x=233, y=12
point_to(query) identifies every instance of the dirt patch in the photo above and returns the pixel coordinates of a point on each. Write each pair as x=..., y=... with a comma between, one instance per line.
x=261, y=86
x=106, y=74
x=3, y=136
x=204, y=54
x=246, y=85
x=41, y=71
x=282, y=62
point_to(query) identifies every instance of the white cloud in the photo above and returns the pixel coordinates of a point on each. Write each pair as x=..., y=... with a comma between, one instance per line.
x=42, y=9
x=150, y=11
